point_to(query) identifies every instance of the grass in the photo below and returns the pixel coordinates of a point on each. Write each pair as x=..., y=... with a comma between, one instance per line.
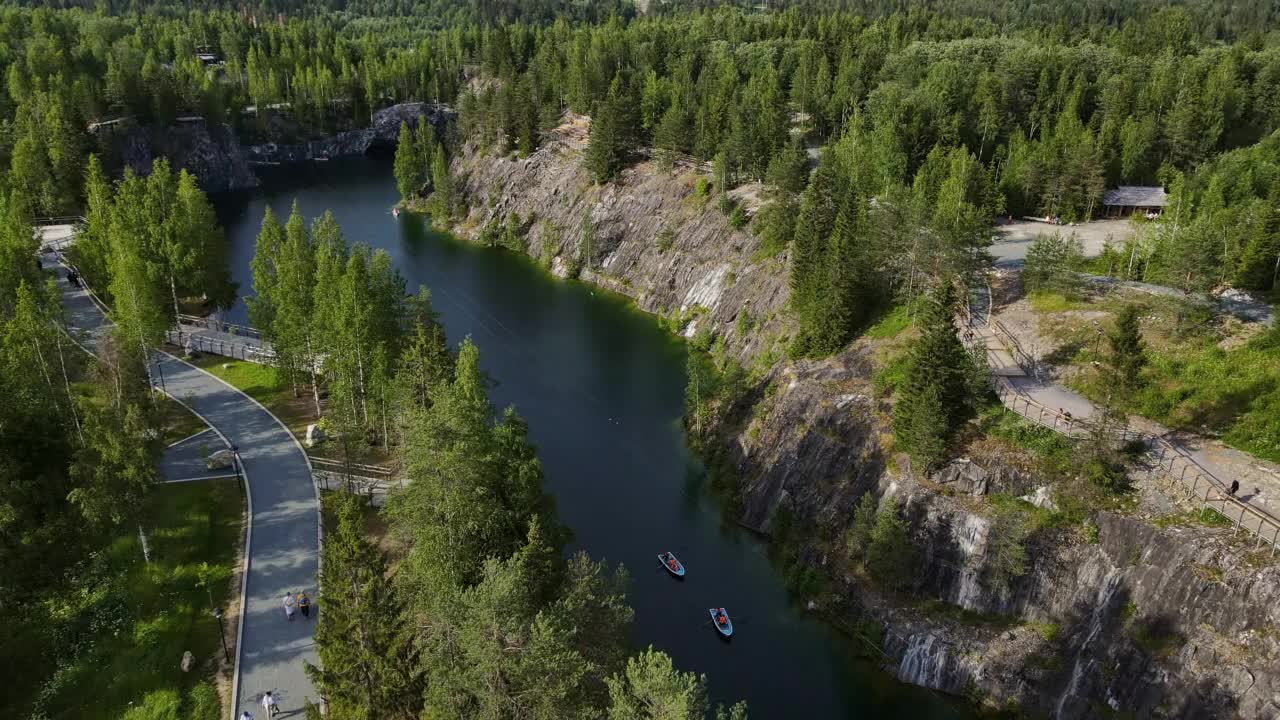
x=179, y=422
x=1235, y=392
x=1207, y=517
x=892, y=323
x=1192, y=383
x=261, y=383
x=116, y=639
x=1051, y=302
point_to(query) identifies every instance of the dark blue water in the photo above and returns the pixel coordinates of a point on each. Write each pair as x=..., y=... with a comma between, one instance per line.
x=602, y=388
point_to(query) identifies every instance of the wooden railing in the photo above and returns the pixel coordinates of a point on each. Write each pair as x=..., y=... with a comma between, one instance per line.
x=373, y=482
x=1204, y=489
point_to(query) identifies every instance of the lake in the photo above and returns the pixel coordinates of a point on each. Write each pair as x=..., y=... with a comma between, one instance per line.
x=602, y=388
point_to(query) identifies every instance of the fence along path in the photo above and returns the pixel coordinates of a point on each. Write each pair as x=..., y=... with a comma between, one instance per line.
x=1203, y=488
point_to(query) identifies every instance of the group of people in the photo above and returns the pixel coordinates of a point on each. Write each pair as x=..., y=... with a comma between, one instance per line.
x=269, y=706
x=299, y=602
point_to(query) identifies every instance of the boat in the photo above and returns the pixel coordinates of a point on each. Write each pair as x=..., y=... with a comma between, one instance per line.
x=725, y=628
x=671, y=563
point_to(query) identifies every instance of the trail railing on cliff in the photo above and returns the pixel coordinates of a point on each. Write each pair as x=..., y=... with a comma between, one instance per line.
x=1203, y=488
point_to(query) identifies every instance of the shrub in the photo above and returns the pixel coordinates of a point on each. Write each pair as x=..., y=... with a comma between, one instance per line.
x=203, y=703
x=665, y=240
x=738, y=217
x=891, y=558
x=158, y=705
x=864, y=521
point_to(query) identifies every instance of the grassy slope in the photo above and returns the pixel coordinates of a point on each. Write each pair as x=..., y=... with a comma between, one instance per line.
x=119, y=637
x=1192, y=382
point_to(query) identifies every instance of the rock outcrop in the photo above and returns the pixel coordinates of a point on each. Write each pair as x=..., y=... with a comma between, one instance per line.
x=1128, y=619
x=652, y=237
x=382, y=132
x=211, y=152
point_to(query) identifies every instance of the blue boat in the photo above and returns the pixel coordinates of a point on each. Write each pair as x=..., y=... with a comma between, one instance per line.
x=673, y=566
x=720, y=618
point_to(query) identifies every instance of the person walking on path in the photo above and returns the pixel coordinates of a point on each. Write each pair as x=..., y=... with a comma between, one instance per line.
x=1235, y=485
x=304, y=604
x=269, y=704
x=288, y=605
x=245, y=715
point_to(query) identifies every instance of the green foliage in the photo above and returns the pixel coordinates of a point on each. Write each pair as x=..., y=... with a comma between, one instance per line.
x=411, y=166
x=858, y=538
x=368, y=659
x=1233, y=392
x=936, y=395
x=650, y=688
x=1006, y=556
x=1053, y=264
x=665, y=240
x=738, y=218
x=612, y=133
x=891, y=558
x=115, y=633
x=1126, y=354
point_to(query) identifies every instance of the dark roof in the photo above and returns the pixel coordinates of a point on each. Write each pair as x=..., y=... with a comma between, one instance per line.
x=1136, y=196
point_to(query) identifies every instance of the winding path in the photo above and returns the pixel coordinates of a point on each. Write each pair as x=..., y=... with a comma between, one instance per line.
x=1208, y=467
x=284, y=520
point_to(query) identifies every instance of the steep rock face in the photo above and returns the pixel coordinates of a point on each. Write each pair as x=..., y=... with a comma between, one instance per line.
x=812, y=446
x=382, y=132
x=654, y=239
x=210, y=152
x=1157, y=623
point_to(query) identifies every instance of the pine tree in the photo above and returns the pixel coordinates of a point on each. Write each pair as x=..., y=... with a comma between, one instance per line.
x=891, y=557
x=441, y=204
x=410, y=168
x=1126, y=353
x=1259, y=265
x=613, y=130
x=369, y=666
x=651, y=687
x=936, y=396
x=809, y=245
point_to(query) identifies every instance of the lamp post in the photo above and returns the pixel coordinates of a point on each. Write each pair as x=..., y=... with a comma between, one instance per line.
x=160, y=370
x=217, y=613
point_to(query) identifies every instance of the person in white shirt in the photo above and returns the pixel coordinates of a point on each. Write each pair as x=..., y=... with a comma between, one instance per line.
x=269, y=704
x=289, y=604
x=245, y=715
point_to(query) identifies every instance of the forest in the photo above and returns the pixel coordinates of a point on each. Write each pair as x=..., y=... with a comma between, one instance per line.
x=926, y=128
x=884, y=138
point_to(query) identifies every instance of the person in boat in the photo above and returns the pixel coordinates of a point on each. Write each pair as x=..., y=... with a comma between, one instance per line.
x=720, y=618
x=671, y=562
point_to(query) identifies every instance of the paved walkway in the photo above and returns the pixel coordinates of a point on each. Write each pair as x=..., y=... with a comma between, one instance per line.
x=1259, y=479
x=284, y=520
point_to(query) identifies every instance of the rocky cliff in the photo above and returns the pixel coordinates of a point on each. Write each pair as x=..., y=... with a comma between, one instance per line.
x=382, y=132
x=652, y=238
x=1123, y=619
x=210, y=152
x=213, y=153
x=1126, y=618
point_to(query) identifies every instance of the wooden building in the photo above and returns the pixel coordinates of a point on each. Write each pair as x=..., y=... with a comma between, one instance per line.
x=1129, y=199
